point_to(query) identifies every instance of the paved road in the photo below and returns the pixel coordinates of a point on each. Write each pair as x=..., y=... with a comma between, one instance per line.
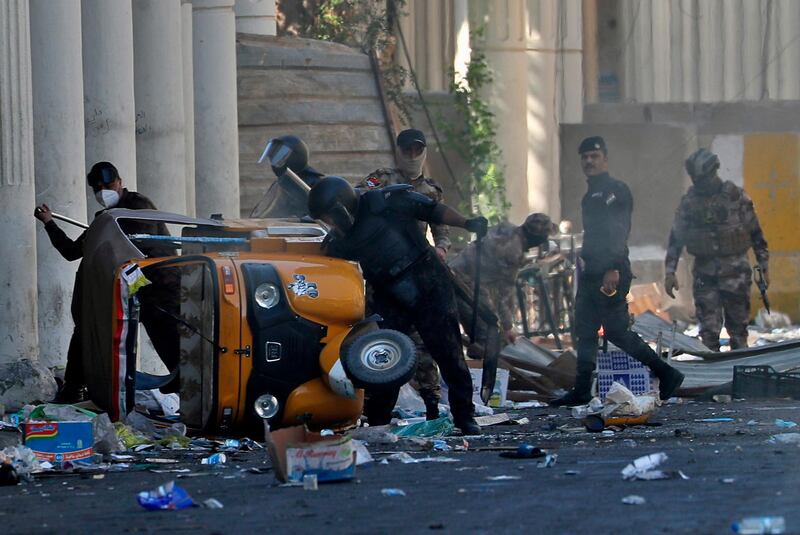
x=581, y=494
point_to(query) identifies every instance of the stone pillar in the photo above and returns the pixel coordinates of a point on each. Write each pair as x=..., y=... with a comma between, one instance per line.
x=188, y=102
x=59, y=160
x=733, y=81
x=752, y=36
x=506, y=54
x=661, y=58
x=710, y=52
x=591, y=67
x=463, y=52
x=256, y=17
x=23, y=377
x=108, y=88
x=158, y=84
x=216, y=120
x=788, y=15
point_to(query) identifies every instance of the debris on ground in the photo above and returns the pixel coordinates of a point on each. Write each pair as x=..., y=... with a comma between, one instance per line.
x=438, y=428
x=760, y=525
x=645, y=467
x=167, y=497
x=633, y=499
x=393, y=492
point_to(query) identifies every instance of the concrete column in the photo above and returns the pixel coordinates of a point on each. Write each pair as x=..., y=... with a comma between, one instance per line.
x=108, y=88
x=690, y=82
x=158, y=83
x=629, y=15
x=733, y=86
x=675, y=43
x=591, y=67
x=463, y=52
x=256, y=17
x=188, y=102
x=23, y=377
x=788, y=14
x=661, y=57
x=57, y=74
x=710, y=49
x=506, y=55
x=216, y=119
x=752, y=36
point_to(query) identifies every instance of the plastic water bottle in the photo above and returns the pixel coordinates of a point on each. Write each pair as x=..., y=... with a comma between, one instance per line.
x=217, y=458
x=760, y=525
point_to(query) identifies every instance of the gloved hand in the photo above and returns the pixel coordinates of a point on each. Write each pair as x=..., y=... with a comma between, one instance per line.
x=479, y=225
x=671, y=284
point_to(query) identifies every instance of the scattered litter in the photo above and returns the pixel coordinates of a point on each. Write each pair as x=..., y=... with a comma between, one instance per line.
x=375, y=434
x=785, y=438
x=645, y=467
x=213, y=503
x=159, y=460
x=494, y=419
x=438, y=428
x=629, y=442
x=172, y=471
x=120, y=457
x=363, y=455
x=549, y=461
x=502, y=478
x=752, y=422
x=393, y=492
x=518, y=405
x=465, y=468
x=572, y=472
x=714, y=420
x=633, y=499
x=722, y=398
x=524, y=451
x=217, y=458
x=405, y=458
x=727, y=480
x=22, y=459
x=155, y=401
x=521, y=421
x=168, y=497
x=758, y=525
x=441, y=445
x=785, y=424
x=232, y=443
x=310, y=482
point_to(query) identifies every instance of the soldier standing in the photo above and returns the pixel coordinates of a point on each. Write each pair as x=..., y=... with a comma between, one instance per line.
x=717, y=223
x=606, y=278
x=411, y=154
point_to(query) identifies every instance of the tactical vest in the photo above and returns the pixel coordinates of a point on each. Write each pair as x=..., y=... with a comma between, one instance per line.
x=715, y=226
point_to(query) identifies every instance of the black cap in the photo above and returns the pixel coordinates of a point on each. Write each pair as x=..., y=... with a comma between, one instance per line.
x=592, y=143
x=406, y=138
x=102, y=173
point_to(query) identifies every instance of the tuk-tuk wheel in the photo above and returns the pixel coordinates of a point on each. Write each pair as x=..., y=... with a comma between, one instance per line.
x=382, y=359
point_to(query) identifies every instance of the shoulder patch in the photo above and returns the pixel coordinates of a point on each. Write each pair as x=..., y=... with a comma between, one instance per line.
x=372, y=182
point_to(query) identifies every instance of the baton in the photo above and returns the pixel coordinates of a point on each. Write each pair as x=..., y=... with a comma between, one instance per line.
x=476, y=291
x=68, y=220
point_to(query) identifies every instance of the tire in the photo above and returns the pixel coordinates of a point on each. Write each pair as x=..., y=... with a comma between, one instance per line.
x=380, y=360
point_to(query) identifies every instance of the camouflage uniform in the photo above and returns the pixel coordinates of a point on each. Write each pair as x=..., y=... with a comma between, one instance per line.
x=718, y=229
x=427, y=374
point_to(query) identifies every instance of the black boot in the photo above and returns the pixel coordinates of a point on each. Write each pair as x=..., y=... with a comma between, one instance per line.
x=467, y=425
x=431, y=409
x=669, y=379
x=581, y=393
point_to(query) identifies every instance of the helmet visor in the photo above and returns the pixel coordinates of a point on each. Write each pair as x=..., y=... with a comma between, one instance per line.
x=276, y=152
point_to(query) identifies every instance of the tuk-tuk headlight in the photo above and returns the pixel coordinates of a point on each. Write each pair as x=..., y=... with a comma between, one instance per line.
x=266, y=406
x=267, y=295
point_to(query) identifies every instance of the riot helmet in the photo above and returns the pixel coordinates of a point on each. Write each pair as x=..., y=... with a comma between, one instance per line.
x=701, y=164
x=334, y=201
x=286, y=152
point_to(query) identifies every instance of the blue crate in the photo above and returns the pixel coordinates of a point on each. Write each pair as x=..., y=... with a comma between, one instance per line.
x=618, y=366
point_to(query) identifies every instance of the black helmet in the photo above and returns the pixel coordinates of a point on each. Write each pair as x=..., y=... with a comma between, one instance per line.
x=296, y=159
x=702, y=163
x=334, y=201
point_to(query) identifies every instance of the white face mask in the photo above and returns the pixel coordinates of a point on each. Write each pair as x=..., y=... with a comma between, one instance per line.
x=108, y=198
x=411, y=167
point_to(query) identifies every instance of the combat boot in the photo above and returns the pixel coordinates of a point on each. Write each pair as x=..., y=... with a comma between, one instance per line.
x=467, y=425
x=669, y=379
x=581, y=393
x=431, y=409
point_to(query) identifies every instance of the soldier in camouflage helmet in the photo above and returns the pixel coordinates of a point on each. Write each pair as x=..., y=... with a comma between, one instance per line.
x=717, y=223
x=412, y=150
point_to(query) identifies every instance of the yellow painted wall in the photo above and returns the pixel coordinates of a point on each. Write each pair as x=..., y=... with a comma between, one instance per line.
x=771, y=172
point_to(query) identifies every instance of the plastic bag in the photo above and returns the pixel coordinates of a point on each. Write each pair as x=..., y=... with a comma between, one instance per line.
x=431, y=428
x=167, y=497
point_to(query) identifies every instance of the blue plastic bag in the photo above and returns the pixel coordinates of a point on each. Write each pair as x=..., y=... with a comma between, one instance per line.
x=167, y=497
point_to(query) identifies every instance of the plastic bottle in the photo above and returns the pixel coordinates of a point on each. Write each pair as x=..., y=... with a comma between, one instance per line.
x=217, y=458
x=760, y=525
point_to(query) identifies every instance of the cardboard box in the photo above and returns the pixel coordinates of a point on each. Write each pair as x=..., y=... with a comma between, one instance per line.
x=620, y=367
x=298, y=451
x=59, y=442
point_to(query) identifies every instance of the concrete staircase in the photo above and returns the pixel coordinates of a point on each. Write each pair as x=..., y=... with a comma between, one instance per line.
x=324, y=93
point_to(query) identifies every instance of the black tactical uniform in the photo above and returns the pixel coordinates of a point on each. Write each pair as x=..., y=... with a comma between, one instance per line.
x=411, y=287
x=606, y=210
x=73, y=250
